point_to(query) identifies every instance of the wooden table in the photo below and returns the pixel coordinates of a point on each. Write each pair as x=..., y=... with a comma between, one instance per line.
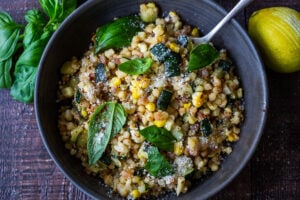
x=27, y=171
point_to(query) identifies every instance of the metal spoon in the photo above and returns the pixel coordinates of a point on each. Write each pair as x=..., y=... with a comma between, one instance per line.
x=205, y=39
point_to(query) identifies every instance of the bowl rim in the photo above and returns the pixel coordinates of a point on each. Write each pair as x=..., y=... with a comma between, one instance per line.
x=87, y=5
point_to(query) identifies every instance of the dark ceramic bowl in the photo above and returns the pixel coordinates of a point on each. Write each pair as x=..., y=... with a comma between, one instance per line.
x=73, y=38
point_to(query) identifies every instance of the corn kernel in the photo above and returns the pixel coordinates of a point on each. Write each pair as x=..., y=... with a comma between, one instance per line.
x=178, y=148
x=135, y=93
x=84, y=113
x=160, y=38
x=135, y=83
x=144, y=83
x=159, y=123
x=232, y=137
x=192, y=119
x=116, y=82
x=197, y=100
x=174, y=47
x=135, y=194
x=187, y=105
x=150, y=106
x=195, y=32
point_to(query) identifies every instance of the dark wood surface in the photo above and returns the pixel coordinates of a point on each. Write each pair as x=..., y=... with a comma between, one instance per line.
x=27, y=171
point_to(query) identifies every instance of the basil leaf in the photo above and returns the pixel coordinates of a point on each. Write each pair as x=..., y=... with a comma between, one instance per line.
x=58, y=10
x=32, y=33
x=202, y=56
x=160, y=137
x=50, y=7
x=35, y=17
x=118, y=33
x=157, y=165
x=136, y=66
x=9, y=36
x=68, y=6
x=107, y=121
x=5, y=70
x=25, y=71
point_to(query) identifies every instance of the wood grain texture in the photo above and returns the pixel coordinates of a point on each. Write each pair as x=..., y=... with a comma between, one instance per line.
x=27, y=172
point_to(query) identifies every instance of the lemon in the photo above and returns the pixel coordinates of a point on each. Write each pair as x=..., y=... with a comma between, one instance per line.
x=276, y=33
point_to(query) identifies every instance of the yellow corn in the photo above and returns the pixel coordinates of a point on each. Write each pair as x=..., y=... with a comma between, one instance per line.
x=135, y=93
x=192, y=119
x=178, y=148
x=195, y=32
x=84, y=113
x=174, y=47
x=144, y=83
x=116, y=82
x=135, y=83
x=160, y=38
x=135, y=194
x=197, y=99
x=187, y=105
x=150, y=106
x=232, y=137
x=159, y=123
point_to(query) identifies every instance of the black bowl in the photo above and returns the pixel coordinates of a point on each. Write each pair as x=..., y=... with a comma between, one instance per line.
x=73, y=38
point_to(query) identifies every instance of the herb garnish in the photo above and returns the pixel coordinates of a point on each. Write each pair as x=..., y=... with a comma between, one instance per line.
x=202, y=56
x=157, y=165
x=107, y=121
x=118, y=33
x=32, y=42
x=136, y=66
x=160, y=137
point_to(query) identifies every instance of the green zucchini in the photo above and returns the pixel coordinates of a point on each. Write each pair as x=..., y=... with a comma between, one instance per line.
x=164, y=100
x=170, y=59
x=172, y=65
x=160, y=52
x=100, y=74
x=205, y=127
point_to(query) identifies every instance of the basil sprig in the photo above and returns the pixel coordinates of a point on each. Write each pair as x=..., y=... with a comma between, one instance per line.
x=202, y=56
x=136, y=66
x=160, y=137
x=157, y=165
x=118, y=33
x=106, y=122
x=31, y=40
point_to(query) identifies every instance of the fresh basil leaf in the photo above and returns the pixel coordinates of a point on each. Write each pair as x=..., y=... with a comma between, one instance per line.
x=25, y=71
x=35, y=17
x=32, y=33
x=118, y=33
x=35, y=27
x=50, y=7
x=202, y=56
x=136, y=66
x=5, y=73
x=160, y=137
x=157, y=165
x=68, y=6
x=107, y=121
x=9, y=36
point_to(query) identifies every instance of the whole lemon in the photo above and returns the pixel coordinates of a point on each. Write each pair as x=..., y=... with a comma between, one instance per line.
x=276, y=32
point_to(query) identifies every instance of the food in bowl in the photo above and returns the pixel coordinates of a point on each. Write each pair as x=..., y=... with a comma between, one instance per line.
x=145, y=110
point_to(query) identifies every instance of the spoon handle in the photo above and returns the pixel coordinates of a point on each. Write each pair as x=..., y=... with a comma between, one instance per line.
x=240, y=5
